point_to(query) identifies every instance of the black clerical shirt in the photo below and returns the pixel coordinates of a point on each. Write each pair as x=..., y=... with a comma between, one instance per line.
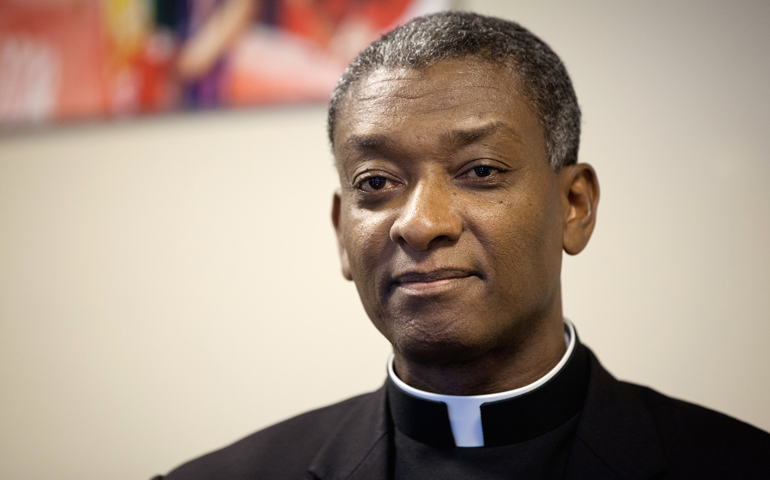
x=580, y=423
x=526, y=436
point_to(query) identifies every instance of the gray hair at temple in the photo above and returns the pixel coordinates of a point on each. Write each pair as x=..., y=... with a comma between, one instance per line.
x=449, y=35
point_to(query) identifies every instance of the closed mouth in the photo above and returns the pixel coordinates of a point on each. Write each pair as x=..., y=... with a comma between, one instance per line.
x=431, y=282
x=431, y=276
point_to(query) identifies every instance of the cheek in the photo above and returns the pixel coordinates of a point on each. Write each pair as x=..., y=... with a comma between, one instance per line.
x=523, y=241
x=366, y=239
x=367, y=242
x=543, y=244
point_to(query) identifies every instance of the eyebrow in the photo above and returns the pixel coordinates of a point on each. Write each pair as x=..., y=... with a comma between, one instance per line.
x=459, y=138
x=372, y=145
x=369, y=142
x=455, y=139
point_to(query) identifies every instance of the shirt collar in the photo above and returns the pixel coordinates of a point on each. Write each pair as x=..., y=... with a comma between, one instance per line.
x=465, y=413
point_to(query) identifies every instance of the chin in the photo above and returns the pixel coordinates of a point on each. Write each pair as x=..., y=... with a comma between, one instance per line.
x=428, y=343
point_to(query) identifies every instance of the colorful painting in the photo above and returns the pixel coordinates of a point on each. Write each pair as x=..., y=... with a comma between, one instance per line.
x=72, y=59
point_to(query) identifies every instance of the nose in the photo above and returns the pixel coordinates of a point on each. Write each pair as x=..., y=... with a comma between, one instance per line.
x=427, y=218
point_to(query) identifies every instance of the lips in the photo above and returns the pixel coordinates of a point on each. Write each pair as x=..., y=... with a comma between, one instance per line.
x=432, y=275
x=433, y=281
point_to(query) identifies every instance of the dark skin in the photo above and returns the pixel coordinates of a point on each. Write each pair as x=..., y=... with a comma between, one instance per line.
x=452, y=223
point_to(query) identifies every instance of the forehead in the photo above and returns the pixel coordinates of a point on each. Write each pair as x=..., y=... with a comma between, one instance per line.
x=453, y=95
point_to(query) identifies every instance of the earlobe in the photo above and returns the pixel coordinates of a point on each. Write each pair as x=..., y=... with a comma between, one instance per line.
x=580, y=196
x=336, y=206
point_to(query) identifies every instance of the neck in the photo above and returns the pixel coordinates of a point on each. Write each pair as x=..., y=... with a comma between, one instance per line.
x=497, y=370
x=493, y=419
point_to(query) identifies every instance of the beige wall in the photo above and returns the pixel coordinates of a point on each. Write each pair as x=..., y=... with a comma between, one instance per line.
x=169, y=285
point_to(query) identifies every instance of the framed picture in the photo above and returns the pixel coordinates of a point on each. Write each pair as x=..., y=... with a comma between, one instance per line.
x=71, y=59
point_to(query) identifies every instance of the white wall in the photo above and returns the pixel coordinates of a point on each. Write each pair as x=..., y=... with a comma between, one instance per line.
x=169, y=285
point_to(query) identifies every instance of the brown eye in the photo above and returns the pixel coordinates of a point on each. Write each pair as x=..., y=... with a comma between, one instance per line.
x=377, y=183
x=483, y=171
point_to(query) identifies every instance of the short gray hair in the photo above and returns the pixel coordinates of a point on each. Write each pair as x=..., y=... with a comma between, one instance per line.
x=430, y=39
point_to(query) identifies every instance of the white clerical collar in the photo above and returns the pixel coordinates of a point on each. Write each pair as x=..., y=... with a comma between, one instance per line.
x=465, y=411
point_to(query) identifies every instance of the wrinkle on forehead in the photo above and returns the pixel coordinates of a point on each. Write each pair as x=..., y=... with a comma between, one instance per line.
x=466, y=93
x=411, y=84
x=389, y=95
x=406, y=101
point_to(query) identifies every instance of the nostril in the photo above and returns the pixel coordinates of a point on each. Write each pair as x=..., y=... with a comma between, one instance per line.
x=428, y=217
x=422, y=233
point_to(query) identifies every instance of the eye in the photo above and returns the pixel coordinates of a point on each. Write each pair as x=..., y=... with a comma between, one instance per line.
x=483, y=171
x=480, y=171
x=375, y=183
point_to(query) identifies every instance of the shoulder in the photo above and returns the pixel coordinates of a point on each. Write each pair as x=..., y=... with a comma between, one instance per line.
x=697, y=437
x=702, y=426
x=283, y=450
x=633, y=429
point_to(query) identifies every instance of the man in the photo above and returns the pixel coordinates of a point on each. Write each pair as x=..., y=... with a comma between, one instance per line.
x=456, y=141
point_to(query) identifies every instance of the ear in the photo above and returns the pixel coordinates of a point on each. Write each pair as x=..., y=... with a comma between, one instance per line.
x=336, y=206
x=580, y=197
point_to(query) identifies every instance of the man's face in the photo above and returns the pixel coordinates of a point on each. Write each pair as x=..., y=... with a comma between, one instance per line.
x=449, y=217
